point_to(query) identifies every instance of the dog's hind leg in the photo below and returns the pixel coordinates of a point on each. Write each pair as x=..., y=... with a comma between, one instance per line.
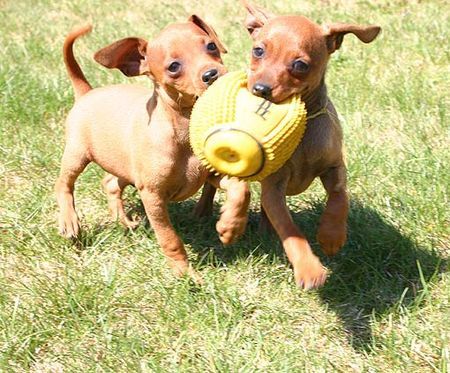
x=114, y=187
x=73, y=163
x=265, y=226
x=332, y=232
x=205, y=204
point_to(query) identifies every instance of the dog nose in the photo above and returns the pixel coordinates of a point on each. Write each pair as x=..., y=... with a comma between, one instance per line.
x=262, y=90
x=210, y=76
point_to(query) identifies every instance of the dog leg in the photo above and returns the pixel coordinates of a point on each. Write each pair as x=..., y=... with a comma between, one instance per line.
x=234, y=212
x=332, y=232
x=114, y=187
x=172, y=246
x=205, y=204
x=308, y=271
x=72, y=164
x=265, y=227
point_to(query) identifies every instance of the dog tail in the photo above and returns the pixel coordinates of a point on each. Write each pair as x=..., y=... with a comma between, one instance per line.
x=79, y=81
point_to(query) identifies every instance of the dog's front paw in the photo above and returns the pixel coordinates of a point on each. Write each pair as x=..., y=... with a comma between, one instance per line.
x=69, y=225
x=231, y=226
x=332, y=236
x=309, y=273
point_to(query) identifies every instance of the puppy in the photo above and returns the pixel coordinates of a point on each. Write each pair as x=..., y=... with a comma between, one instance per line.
x=290, y=56
x=140, y=136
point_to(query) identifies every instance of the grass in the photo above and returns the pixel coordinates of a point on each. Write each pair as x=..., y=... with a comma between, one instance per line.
x=110, y=304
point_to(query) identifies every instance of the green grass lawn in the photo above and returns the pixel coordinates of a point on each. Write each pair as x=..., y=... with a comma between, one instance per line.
x=111, y=304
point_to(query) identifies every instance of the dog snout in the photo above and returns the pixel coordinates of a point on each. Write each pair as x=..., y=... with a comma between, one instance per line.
x=210, y=76
x=262, y=90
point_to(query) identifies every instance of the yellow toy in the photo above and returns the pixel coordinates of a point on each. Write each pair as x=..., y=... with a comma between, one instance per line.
x=239, y=134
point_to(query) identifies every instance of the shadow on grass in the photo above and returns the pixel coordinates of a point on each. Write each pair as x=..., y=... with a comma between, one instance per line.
x=378, y=269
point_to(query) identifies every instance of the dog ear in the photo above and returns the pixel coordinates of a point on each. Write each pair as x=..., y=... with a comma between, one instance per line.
x=256, y=18
x=128, y=55
x=334, y=34
x=209, y=30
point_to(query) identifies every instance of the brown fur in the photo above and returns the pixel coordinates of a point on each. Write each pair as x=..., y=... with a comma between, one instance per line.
x=284, y=40
x=140, y=136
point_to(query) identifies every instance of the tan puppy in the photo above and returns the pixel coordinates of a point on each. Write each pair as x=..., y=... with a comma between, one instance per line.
x=289, y=56
x=140, y=136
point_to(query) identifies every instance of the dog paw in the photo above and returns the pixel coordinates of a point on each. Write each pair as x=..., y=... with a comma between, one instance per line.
x=194, y=276
x=69, y=225
x=182, y=268
x=331, y=236
x=117, y=213
x=230, y=227
x=310, y=273
x=129, y=223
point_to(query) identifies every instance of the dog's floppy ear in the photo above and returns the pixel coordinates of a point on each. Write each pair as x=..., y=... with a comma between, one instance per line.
x=256, y=18
x=334, y=34
x=209, y=30
x=128, y=55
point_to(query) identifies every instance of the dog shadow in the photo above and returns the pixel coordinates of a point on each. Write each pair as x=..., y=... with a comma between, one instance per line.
x=378, y=269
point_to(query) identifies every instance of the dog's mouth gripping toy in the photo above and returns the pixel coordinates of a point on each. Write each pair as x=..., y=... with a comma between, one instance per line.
x=236, y=133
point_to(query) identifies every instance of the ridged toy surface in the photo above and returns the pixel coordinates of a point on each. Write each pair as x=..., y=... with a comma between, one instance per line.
x=236, y=133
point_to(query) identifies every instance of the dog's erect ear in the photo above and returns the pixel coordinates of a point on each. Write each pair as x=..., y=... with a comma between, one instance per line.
x=128, y=55
x=209, y=30
x=256, y=18
x=335, y=32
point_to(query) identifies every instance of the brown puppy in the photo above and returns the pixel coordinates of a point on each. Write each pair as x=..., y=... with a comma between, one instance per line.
x=140, y=136
x=289, y=56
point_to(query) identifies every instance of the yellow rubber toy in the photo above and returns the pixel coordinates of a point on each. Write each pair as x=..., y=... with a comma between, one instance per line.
x=239, y=134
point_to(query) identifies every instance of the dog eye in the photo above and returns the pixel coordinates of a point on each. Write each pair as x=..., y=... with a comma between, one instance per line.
x=174, y=67
x=300, y=66
x=258, y=52
x=212, y=47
